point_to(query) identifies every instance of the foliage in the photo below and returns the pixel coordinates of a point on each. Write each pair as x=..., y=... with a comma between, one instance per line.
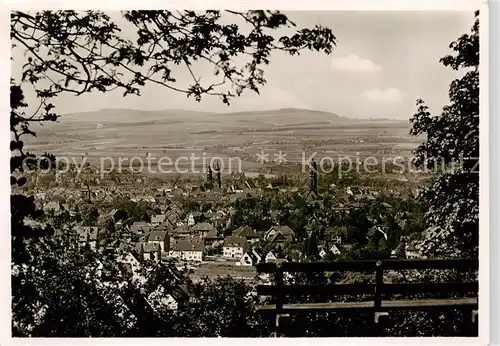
x=60, y=282
x=451, y=138
x=138, y=211
x=252, y=212
x=21, y=207
x=310, y=250
x=214, y=250
x=89, y=214
x=79, y=52
x=194, y=206
x=223, y=307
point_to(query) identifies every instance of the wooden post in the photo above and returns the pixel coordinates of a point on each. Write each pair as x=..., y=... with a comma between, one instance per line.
x=380, y=316
x=475, y=322
x=471, y=326
x=379, y=281
x=279, y=297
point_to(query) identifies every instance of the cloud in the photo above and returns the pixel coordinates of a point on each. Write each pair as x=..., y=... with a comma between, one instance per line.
x=390, y=95
x=353, y=63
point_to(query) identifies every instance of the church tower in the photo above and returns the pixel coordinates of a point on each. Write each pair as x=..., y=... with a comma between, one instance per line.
x=314, y=177
x=217, y=170
x=209, y=174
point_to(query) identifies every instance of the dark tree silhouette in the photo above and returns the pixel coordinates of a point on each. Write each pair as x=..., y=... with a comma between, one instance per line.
x=453, y=137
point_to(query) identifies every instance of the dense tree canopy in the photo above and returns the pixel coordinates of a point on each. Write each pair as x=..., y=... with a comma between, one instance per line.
x=453, y=143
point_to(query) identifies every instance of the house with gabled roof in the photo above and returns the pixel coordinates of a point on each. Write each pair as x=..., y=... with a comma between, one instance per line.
x=149, y=251
x=178, y=233
x=209, y=214
x=194, y=217
x=251, y=184
x=140, y=227
x=279, y=234
x=161, y=238
x=158, y=219
x=131, y=259
x=201, y=229
x=250, y=258
x=322, y=252
x=335, y=235
x=271, y=257
x=188, y=249
x=234, y=247
x=168, y=224
x=211, y=237
x=246, y=232
x=171, y=298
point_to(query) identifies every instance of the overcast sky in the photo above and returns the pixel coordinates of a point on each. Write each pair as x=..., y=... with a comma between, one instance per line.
x=383, y=62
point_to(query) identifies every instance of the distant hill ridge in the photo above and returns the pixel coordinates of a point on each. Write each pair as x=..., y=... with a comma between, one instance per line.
x=169, y=111
x=284, y=111
x=190, y=120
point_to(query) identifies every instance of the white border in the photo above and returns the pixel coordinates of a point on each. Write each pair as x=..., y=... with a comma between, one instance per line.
x=484, y=191
x=494, y=164
x=379, y=5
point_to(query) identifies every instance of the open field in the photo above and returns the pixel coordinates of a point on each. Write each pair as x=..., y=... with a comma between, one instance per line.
x=178, y=133
x=223, y=269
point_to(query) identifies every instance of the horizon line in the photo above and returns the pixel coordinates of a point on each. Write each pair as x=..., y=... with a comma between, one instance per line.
x=232, y=112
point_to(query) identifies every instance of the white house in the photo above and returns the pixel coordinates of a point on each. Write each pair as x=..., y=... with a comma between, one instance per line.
x=322, y=253
x=270, y=257
x=234, y=247
x=337, y=239
x=335, y=250
x=250, y=258
x=193, y=217
x=190, y=220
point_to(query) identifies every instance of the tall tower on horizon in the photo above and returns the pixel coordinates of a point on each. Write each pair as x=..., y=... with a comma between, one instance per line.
x=314, y=177
x=217, y=173
x=209, y=174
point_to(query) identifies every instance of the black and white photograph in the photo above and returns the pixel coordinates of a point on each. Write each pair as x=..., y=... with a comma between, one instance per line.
x=246, y=173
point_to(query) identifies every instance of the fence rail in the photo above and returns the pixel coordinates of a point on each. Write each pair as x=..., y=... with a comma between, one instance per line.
x=378, y=296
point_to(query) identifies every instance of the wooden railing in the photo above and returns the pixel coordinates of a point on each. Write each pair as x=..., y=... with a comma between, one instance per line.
x=378, y=296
